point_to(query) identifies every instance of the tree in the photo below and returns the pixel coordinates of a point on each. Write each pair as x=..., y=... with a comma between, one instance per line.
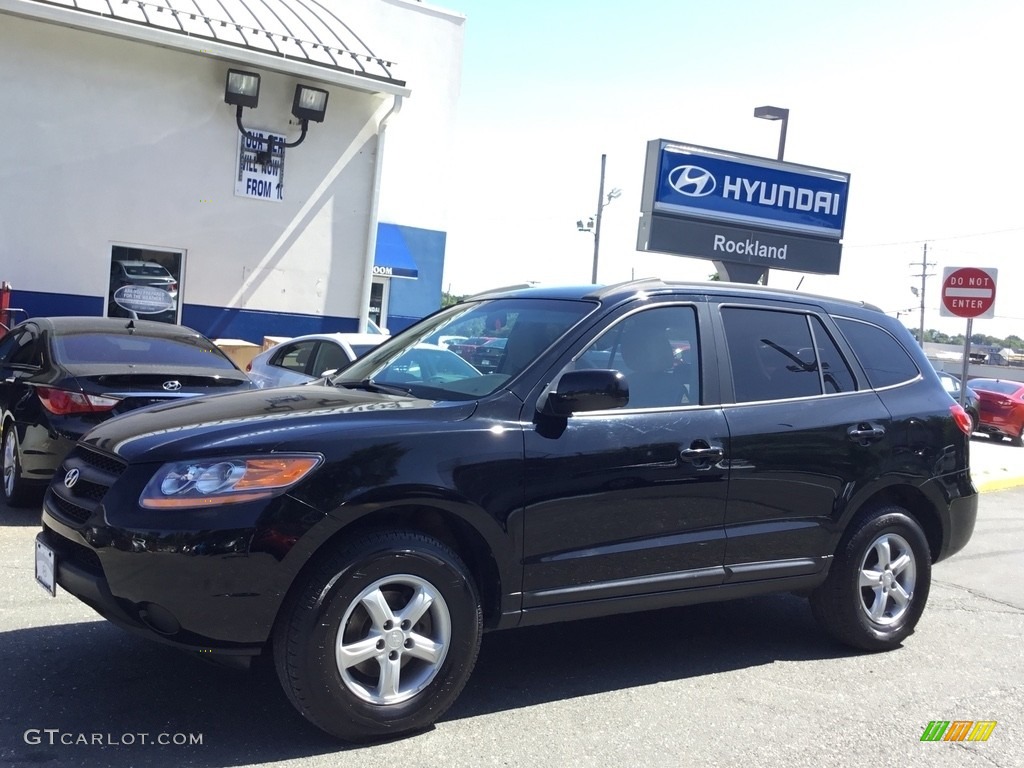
x=447, y=299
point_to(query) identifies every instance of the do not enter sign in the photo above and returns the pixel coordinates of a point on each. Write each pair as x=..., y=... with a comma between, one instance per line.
x=968, y=292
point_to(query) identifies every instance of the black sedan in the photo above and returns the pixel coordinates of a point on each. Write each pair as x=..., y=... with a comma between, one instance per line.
x=61, y=376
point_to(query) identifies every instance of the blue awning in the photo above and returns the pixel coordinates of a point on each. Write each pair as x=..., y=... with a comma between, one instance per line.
x=393, y=257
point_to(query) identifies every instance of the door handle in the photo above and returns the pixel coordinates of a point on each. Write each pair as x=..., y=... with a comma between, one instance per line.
x=702, y=454
x=865, y=433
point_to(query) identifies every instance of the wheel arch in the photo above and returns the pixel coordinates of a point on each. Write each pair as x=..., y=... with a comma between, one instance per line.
x=451, y=529
x=917, y=504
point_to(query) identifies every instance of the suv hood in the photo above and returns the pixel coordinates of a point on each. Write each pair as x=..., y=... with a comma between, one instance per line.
x=259, y=420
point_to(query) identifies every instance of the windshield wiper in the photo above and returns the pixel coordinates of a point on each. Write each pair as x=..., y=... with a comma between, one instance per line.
x=372, y=386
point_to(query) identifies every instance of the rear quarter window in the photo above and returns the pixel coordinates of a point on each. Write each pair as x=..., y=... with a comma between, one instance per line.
x=881, y=355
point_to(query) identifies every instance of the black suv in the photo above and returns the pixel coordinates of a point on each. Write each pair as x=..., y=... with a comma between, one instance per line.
x=636, y=446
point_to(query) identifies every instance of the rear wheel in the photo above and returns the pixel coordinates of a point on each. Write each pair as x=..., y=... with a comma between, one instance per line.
x=17, y=492
x=878, y=584
x=380, y=636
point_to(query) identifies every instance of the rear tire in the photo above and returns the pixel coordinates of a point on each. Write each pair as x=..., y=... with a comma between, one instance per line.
x=878, y=584
x=17, y=491
x=379, y=637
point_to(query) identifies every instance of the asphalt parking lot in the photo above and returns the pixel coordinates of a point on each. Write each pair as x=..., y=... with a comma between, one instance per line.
x=750, y=682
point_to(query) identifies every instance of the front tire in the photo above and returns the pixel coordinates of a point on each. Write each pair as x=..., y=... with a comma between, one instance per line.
x=379, y=637
x=878, y=585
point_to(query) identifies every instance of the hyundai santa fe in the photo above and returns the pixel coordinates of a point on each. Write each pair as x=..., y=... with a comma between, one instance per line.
x=634, y=447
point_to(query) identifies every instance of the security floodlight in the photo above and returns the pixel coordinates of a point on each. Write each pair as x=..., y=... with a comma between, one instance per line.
x=310, y=103
x=242, y=88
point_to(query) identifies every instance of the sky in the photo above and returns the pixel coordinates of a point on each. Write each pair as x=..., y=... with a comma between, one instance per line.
x=918, y=100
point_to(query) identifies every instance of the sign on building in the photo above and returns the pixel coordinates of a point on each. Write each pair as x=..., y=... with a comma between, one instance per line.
x=713, y=204
x=260, y=173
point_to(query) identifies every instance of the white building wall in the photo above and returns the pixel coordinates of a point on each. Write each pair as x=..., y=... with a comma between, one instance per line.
x=112, y=141
x=123, y=142
x=417, y=158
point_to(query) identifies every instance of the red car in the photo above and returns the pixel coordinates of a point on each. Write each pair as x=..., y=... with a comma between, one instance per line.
x=1000, y=408
x=468, y=348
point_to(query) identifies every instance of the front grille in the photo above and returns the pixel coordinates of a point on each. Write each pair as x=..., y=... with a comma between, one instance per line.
x=96, y=473
x=67, y=509
x=100, y=460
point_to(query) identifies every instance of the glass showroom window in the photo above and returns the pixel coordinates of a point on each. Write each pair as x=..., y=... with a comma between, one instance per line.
x=144, y=284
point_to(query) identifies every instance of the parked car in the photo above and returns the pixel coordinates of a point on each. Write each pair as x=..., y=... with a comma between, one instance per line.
x=951, y=384
x=367, y=529
x=148, y=273
x=1000, y=408
x=429, y=364
x=488, y=356
x=468, y=347
x=308, y=357
x=61, y=376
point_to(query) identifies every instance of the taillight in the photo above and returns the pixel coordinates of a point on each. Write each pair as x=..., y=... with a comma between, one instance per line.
x=62, y=402
x=962, y=419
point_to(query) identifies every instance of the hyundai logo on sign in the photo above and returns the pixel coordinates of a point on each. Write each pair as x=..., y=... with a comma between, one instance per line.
x=704, y=183
x=691, y=180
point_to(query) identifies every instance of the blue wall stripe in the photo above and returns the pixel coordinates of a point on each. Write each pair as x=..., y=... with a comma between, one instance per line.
x=212, y=322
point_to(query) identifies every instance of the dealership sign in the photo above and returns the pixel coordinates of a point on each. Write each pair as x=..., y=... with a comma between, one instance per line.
x=714, y=204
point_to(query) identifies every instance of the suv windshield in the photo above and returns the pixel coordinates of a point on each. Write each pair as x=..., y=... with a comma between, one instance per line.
x=417, y=362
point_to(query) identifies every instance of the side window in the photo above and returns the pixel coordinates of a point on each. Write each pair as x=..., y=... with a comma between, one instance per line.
x=775, y=355
x=658, y=351
x=21, y=349
x=836, y=375
x=883, y=358
x=329, y=357
x=8, y=344
x=295, y=357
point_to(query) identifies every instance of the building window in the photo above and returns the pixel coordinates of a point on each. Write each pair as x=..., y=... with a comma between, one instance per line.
x=145, y=284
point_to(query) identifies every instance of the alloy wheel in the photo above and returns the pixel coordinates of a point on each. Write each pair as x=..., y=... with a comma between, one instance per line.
x=888, y=574
x=393, y=639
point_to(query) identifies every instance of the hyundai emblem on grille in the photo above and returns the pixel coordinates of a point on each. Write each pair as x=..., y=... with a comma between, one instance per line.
x=71, y=478
x=172, y=386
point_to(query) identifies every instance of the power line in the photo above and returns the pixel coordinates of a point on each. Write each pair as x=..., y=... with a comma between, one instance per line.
x=919, y=240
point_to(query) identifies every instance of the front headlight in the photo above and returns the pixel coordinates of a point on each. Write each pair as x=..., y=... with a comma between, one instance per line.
x=213, y=482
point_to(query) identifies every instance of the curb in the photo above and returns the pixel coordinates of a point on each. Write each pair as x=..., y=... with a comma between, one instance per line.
x=1000, y=484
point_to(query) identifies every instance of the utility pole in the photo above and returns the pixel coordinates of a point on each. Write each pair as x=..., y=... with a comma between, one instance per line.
x=925, y=274
x=597, y=221
x=593, y=224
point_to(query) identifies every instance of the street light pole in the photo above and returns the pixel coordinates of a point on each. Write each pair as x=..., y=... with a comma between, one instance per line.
x=775, y=113
x=597, y=221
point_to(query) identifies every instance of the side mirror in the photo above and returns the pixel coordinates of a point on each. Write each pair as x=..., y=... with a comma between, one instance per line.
x=587, y=390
